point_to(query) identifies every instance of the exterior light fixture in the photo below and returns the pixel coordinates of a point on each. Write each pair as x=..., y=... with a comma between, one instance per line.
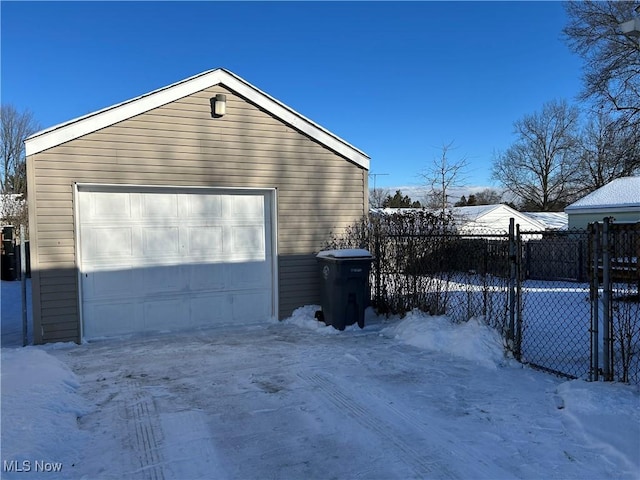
x=219, y=105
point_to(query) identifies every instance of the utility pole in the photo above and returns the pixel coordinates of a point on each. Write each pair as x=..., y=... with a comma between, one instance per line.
x=374, y=175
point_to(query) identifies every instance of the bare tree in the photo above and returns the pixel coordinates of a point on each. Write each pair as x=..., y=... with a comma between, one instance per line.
x=488, y=196
x=610, y=149
x=15, y=127
x=540, y=168
x=377, y=196
x=443, y=175
x=612, y=58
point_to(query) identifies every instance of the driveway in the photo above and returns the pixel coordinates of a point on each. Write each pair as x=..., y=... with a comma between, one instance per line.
x=282, y=401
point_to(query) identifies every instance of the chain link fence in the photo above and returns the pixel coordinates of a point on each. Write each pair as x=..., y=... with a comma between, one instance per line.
x=420, y=261
x=615, y=272
x=536, y=288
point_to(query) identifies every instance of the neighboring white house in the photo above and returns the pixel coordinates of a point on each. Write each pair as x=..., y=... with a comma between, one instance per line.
x=493, y=219
x=487, y=219
x=619, y=199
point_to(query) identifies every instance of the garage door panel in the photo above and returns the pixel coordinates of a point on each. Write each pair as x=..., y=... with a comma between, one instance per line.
x=116, y=317
x=247, y=275
x=247, y=241
x=119, y=282
x=204, y=206
x=247, y=307
x=164, y=206
x=111, y=206
x=205, y=240
x=211, y=309
x=166, y=314
x=174, y=260
x=107, y=242
x=159, y=280
x=160, y=241
x=247, y=206
x=206, y=276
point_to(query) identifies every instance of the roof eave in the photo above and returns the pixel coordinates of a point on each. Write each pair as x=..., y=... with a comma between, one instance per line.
x=92, y=122
x=602, y=209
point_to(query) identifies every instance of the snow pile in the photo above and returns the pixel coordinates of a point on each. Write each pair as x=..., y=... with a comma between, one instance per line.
x=40, y=411
x=600, y=414
x=304, y=317
x=473, y=340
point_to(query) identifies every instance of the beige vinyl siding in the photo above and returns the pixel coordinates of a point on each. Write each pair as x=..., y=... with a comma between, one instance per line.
x=180, y=144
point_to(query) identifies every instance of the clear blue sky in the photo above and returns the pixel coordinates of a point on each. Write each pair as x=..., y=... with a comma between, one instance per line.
x=397, y=80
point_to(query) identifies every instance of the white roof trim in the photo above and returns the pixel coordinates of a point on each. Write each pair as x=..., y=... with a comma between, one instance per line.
x=622, y=208
x=78, y=127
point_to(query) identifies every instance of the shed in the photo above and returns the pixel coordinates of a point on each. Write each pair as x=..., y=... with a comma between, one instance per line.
x=166, y=213
x=619, y=199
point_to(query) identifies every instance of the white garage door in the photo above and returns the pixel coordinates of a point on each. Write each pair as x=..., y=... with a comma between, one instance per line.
x=162, y=259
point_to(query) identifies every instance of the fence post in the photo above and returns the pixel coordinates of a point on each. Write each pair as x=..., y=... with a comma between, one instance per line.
x=594, y=232
x=512, y=283
x=23, y=284
x=606, y=301
x=376, y=240
x=518, y=306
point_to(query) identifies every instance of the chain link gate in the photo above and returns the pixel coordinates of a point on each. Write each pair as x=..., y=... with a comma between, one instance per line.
x=551, y=302
x=574, y=304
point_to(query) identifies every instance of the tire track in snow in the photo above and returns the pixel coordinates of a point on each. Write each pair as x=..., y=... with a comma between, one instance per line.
x=418, y=460
x=189, y=448
x=145, y=433
x=478, y=466
x=466, y=463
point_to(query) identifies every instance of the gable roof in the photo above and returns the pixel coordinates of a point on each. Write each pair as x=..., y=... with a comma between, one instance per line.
x=474, y=212
x=86, y=124
x=620, y=193
x=551, y=220
x=495, y=217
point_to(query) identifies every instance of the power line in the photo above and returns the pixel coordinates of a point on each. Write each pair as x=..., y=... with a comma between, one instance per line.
x=375, y=175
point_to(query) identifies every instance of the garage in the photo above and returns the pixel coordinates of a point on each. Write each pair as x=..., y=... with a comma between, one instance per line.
x=157, y=259
x=198, y=204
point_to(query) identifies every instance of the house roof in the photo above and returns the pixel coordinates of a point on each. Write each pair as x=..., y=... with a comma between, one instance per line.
x=86, y=124
x=474, y=212
x=621, y=193
x=481, y=217
x=485, y=216
x=551, y=220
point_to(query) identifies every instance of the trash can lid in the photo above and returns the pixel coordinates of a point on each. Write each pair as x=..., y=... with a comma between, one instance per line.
x=345, y=253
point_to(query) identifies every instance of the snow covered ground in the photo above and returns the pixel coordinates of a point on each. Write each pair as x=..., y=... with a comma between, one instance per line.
x=412, y=398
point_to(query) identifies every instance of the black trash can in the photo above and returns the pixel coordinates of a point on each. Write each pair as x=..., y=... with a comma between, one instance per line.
x=344, y=286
